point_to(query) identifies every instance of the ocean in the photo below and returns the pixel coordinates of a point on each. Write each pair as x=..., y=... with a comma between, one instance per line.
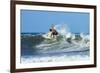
x=35, y=48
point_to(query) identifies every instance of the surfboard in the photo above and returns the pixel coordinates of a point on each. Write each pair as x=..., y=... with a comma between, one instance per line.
x=47, y=36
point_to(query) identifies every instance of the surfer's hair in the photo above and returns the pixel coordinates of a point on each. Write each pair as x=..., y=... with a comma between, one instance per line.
x=50, y=29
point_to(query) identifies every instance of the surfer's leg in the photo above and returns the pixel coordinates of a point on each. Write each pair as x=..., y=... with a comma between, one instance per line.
x=52, y=35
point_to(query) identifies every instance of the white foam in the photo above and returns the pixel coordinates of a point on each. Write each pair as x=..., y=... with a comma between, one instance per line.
x=63, y=58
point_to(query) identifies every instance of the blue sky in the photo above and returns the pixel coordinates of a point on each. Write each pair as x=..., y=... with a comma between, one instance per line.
x=40, y=21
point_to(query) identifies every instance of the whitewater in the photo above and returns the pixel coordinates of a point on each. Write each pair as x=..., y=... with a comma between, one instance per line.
x=67, y=47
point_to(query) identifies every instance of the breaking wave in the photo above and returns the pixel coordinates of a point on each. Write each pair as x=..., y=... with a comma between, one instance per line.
x=67, y=43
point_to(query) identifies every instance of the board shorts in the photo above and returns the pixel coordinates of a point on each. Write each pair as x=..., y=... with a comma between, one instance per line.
x=55, y=33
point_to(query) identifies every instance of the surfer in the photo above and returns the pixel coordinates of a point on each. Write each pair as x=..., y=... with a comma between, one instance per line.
x=54, y=32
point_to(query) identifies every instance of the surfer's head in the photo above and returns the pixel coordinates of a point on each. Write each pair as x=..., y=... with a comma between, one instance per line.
x=50, y=29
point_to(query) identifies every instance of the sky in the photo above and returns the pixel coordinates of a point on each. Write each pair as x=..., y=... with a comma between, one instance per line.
x=41, y=21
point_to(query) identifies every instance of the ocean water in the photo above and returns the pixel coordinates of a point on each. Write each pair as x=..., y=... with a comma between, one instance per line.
x=68, y=47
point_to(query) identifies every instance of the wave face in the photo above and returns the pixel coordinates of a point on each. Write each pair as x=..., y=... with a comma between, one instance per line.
x=67, y=46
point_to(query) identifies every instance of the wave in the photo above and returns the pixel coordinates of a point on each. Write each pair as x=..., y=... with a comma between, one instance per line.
x=68, y=46
x=66, y=42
